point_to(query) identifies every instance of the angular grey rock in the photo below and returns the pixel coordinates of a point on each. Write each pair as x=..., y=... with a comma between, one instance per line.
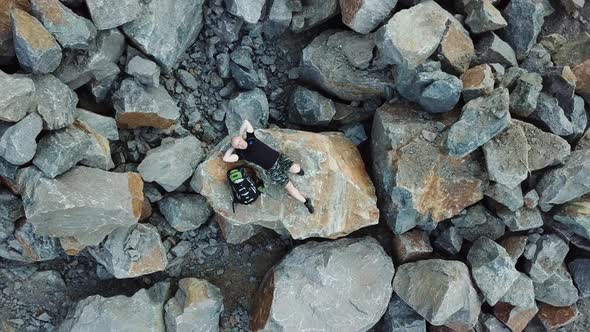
x=538, y=60
x=11, y=210
x=492, y=269
x=145, y=71
x=164, y=29
x=509, y=197
x=482, y=16
x=407, y=166
x=24, y=246
x=17, y=144
x=103, y=125
x=517, y=307
x=478, y=222
x=552, y=115
x=522, y=219
x=98, y=154
x=358, y=49
x=365, y=15
x=249, y=105
x=248, y=10
x=449, y=240
x=575, y=111
x=197, y=305
x=187, y=79
x=279, y=17
x=141, y=312
x=481, y=120
x=185, y=212
x=36, y=50
x=357, y=297
x=584, y=142
x=506, y=157
x=56, y=102
x=574, y=215
x=531, y=199
x=314, y=13
x=85, y=203
x=551, y=251
x=61, y=150
x=435, y=90
x=310, y=108
x=355, y=133
x=440, y=291
x=510, y=77
x=144, y=106
x=525, y=19
x=172, y=163
x=242, y=69
x=580, y=270
x=108, y=14
x=325, y=64
x=523, y=99
x=400, y=317
x=79, y=68
x=411, y=246
x=558, y=290
x=545, y=149
x=565, y=183
x=412, y=35
x=456, y=49
x=477, y=81
x=130, y=252
x=490, y=48
x=70, y=30
x=17, y=97
x=8, y=170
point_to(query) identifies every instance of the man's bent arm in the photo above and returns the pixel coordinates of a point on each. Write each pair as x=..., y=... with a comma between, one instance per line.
x=246, y=128
x=230, y=156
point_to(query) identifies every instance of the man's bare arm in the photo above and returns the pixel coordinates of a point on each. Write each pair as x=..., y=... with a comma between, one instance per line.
x=246, y=128
x=230, y=156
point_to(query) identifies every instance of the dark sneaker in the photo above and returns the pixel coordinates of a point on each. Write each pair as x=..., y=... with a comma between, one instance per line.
x=308, y=205
x=301, y=172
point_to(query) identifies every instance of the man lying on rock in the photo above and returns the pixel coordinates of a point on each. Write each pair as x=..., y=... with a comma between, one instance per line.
x=276, y=165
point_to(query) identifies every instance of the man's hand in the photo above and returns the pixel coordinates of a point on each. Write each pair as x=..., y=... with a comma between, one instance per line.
x=230, y=156
x=246, y=127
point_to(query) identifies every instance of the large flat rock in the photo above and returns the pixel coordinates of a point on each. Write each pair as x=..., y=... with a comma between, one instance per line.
x=349, y=279
x=335, y=179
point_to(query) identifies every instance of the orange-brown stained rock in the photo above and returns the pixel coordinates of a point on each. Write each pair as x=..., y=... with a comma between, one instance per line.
x=515, y=246
x=136, y=120
x=71, y=246
x=411, y=245
x=514, y=317
x=154, y=260
x=146, y=209
x=5, y=25
x=456, y=49
x=582, y=73
x=473, y=77
x=51, y=10
x=31, y=30
x=263, y=302
x=349, y=8
x=136, y=191
x=555, y=317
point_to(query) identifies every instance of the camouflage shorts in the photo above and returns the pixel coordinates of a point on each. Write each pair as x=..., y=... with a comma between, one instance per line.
x=279, y=172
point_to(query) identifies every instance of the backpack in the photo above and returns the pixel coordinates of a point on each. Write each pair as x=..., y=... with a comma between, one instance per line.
x=244, y=187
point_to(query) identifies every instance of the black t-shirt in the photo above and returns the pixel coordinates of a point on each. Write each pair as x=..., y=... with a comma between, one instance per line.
x=258, y=153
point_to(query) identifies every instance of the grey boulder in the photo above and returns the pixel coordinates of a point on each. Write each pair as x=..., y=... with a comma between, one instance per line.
x=164, y=29
x=365, y=15
x=108, y=14
x=523, y=99
x=17, y=144
x=558, y=290
x=196, y=306
x=545, y=149
x=314, y=13
x=310, y=108
x=36, y=49
x=440, y=291
x=103, y=125
x=509, y=197
x=478, y=221
x=565, y=183
x=522, y=219
x=248, y=105
x=580, y=270
x=172, y=163
x=574, y=215
x=325, y=65
x=517, y=307
x=61, y=150
x=137, y=105
x=506, y=157
x=17, y=97
x=248, y=10
x=141, y=312
x=130, y=252
x=492, y=269
x=525, y=19
x=483, y=16
x=481, y=120
x=145, y=71
x=85, y=203
x=326, y=275
x=70, y=29
x=491, y=49
x=56, y=102
x=552, y=116
x=185, y=212
x=400, y=317
x=551, y=251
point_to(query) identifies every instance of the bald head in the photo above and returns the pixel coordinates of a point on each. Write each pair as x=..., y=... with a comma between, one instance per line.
x=238, y=143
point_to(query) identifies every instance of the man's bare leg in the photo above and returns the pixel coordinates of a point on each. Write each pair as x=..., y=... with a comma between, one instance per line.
x=294, y=192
